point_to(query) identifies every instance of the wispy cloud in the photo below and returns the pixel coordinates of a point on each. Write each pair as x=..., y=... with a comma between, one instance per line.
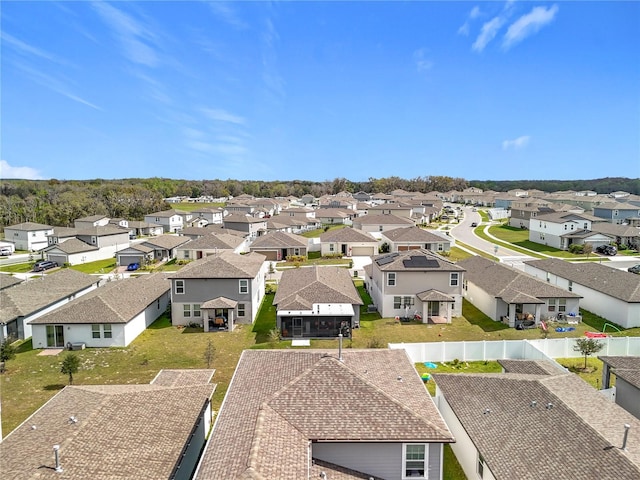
x=529, y=24
x=220, y=115
x=473, y=14
x=227, y=13
x=134, y=37
x=29, y=50
x=25, y=173
x=516, y=143
x=487, y=33
x=421, y=60
x=54, y=84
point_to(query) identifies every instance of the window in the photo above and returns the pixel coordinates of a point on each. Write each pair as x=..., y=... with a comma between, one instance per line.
x=244, y=286
x=95, y=331
x=414, y=460
x=179, y=286
x=562, y=304
x=565, y=226
x=331, y=247
x=196, y=310
x=440, y=247
x=391, y=279
x=296, y=251
x=397, y=302
x=241, y=310
x=570, y=286
x=465, y=286
x=380, y=228
x=548, y=277
x=585, y=226
x=107, y=331
x=186, y=310
x=552, y=305
x=453, y=279
x=186, y=254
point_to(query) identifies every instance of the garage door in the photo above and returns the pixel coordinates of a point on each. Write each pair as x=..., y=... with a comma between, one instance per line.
x=362, y=251
x=404, y=248
x=270, y=254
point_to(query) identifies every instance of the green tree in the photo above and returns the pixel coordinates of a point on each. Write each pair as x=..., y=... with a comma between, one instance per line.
x=70, y=365
x=587, y=346
x=7, y=352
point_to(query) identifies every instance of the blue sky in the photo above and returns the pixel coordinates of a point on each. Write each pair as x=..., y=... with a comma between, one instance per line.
x=320, y=90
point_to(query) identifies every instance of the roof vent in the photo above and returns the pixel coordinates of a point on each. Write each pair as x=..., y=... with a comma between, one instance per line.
x=73, y=419
x=399, y=378
x=549, y=406
x=626, y=435
x=487, y=411
x=533, y=403
x=56, y=456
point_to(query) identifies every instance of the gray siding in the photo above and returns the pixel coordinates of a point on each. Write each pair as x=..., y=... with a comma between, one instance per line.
x=382, y=460
x=627, y=397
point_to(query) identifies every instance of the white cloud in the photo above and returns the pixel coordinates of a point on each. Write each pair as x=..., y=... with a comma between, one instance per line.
x=516, y=143
x=24, y=173
x=422, y=63
x=529, y=24
x=25, y=48
x=473, y=14
x=488, y=33
x=220, y=115
x=224, y=11
x=131, y=34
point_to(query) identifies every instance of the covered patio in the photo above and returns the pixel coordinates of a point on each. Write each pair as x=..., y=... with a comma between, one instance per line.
x=218, y=314
x=519, y=310
x=436, y=306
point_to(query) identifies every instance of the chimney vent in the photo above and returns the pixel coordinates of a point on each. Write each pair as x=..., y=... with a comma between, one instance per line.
x=487, y=411
x=626, y=435
x=533, y=403
x=340, y=347
x=549, y=406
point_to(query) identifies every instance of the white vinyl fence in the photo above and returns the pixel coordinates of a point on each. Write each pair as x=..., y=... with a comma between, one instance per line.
x=543, y=349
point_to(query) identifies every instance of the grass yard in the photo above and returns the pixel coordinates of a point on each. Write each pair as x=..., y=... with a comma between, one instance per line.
x=316, y=233
x=517, y=237
x=99, y=266
x=190, y=206
x=17, y=267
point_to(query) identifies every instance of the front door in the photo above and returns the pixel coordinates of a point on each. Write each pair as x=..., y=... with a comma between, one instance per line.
x=434, y=309
x=297, y=326
x=55, y=336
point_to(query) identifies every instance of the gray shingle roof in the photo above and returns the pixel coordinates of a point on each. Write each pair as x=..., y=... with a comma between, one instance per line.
x=280, y=400
x=116, y=302
x=122, y=431
x=383, y=220
x=210, y=241
x=279, y=240
x=392, y=262
x=505, y=282
x=41, y=291
x=73, y=245
x=7, y=281
x=627, y=368
x=183, y=377
x=533, y=367
x=224, y=264
x=308, y=285
x=412, y=234
x=347, y=235
x=165, y=241
x=434, y=296
x=610, y=281
x=573, y=440
x=29, y=226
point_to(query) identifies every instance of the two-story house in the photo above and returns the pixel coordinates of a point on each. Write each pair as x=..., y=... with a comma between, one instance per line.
x=218, y=291
x=28, y=236
x=403, y=284
x=248, y=225
x=617, y=212
x=415, y=238
x=561, y=229
x=211, y=215
x=171, y=220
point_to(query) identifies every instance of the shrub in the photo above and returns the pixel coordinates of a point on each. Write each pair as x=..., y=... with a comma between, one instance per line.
x=375, y=342
x=575, y=248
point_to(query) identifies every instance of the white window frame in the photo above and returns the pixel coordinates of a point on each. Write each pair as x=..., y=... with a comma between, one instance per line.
x=95, y=330
x=391, y=279
x=242, y=310
x=196, y=310
x=243, y=286
x=186, y=310
x=454, y=279
x=481, y=466
x=425, y=461
x=107, y=331
x=397, y=302
x=179, y=287
x=562, y=304
x=551, y=305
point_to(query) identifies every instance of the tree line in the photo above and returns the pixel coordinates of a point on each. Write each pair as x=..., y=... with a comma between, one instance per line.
x=60, y=202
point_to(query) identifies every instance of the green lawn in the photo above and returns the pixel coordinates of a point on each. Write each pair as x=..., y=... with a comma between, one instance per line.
x=99, y=266
x=316, y=233
x=190, y=206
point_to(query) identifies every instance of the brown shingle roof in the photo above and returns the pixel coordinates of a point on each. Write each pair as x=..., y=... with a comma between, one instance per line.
x=41, y=291
x=505, y=282
x=412, y=234
x=73, y=245
x=315, y=285
x=398, y=261
x=210, y=241
x=29, y=226
x=383, y=220
x=122, y=431
x=7, y=281
x=224, y=264
x=578, y=438
x=165, y=241
x=279, y=240
x=280, y=400
x=347, y=235
x=116, y=302
x=610, y=281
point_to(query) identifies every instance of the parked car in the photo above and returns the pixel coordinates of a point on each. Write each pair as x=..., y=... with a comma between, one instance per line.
x=635, y=269
x=5, y=251
x=607, y=250
x=133, y=266
x=474, y=224
x=44, y=265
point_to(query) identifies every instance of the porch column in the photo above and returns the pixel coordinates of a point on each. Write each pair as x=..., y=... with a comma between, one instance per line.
x=538, y=313
x=205, y=321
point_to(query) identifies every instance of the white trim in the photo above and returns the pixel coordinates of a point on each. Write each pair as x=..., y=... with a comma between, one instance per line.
x=425, y=461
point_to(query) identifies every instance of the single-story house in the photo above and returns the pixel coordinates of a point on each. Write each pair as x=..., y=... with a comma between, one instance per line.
x=311, y=414
x=537, y=426
x=144, y=229
x=376, y=224
x=280, y=245
x=349, y=242
x=110, y=316
x=403, y=284
x=415, y=238
x=317, y=302
x=627, y=373
x=73, y=252
x=165, y=246
x=135, y=253
x=91, y=221
x=513, y=297
x=104, y=432
x=335, y=216
x=219, y=290
x=38, y=296
x=621, y=234
x=209, y=244
x=611, y=293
